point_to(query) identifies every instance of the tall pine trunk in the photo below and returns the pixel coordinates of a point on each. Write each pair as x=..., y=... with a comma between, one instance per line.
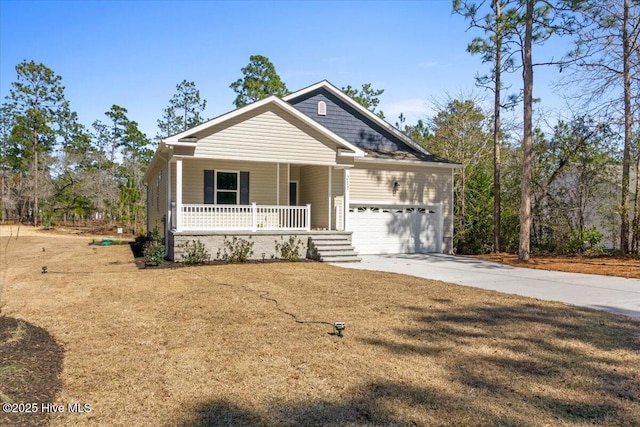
x=496, y=135
x=35, y=172
x=527, y=141
x=634, y=222
x=628, y=123
x=3, y=207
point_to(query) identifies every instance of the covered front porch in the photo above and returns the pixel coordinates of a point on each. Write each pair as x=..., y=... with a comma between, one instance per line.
x=249, y=218
x=205, y=195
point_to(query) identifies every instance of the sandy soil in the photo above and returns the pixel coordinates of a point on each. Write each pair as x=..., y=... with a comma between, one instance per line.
x=604, y=265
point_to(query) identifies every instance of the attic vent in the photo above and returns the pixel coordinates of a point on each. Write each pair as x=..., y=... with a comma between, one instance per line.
x=322, y=108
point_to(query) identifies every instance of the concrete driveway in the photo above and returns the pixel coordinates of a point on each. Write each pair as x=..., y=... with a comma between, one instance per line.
x=613, y=294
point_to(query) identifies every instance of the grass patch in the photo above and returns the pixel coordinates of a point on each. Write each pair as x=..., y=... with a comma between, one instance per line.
x=203, y=346
x=9, y=370
x=6, y=374
x=16, y=334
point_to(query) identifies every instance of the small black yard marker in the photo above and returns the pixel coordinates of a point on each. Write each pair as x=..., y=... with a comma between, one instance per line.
x=339, y=328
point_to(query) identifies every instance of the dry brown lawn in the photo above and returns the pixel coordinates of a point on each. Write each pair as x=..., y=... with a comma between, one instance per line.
x=208, y=345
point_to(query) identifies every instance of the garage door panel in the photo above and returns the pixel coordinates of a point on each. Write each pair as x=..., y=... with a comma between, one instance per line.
x=379, y=230
x=427, y=228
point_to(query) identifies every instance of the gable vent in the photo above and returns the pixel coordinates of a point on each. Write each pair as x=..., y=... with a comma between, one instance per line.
x=322, y=108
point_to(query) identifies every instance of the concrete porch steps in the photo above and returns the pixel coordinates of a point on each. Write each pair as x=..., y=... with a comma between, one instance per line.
x=332, y=248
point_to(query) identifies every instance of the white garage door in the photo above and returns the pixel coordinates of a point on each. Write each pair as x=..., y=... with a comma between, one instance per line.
x=396, y=230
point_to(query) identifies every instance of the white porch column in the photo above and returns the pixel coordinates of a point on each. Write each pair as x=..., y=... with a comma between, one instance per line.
x=179, y=195
x=169, y=219
x=277, y=184
x=254, y=217
x=289, y=185
x=347, y=186
x=330, y=198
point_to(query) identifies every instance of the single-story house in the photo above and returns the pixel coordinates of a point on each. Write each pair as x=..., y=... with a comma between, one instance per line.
x=314, y=164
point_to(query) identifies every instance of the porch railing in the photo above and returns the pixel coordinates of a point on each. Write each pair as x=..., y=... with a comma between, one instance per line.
x=250, y=217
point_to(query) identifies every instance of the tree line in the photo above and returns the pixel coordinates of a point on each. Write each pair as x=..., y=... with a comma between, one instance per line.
x=55, y=169
x=570, y=169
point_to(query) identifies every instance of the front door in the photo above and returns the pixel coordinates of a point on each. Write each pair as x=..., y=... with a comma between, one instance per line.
x=293, y=193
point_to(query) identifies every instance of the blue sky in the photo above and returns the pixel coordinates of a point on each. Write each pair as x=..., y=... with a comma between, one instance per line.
x=133, y=53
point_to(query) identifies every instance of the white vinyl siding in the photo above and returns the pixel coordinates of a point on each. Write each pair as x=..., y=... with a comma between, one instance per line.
x=284, y=185
x=295, y=173
x=337, y=189
x=173, y=182
x=262, y=180
x=337, y=182
x=314, y=186
x=267, y=134
x=416, y=185
x=157, y=190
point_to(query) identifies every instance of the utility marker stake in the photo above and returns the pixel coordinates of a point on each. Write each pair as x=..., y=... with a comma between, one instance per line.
x=339, y=326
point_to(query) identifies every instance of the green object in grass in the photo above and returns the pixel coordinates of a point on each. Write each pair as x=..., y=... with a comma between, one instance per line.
x=106, y=242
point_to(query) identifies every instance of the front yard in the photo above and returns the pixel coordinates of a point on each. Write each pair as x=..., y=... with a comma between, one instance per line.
x=220, y=345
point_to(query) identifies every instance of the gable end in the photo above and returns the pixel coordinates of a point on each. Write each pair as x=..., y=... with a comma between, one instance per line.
x=355, y=127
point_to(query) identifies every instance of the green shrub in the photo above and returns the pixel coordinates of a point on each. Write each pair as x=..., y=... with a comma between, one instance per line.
x=154, y=248
x=235, y=250
x=194, y=253
x=587, y=242
x=154, y=254
x=289, y=249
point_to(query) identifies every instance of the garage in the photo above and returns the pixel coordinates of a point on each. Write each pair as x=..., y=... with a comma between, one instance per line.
x=396, y=229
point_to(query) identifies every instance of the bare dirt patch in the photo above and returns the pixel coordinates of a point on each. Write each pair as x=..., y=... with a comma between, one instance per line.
x=209, y=346
x=30, y=362
x=604, y=265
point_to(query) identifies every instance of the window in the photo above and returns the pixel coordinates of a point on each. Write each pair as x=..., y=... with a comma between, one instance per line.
x=322, y=108
x=226, y=187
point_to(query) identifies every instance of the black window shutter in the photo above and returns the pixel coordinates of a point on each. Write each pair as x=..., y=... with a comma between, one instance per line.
x=244, y=188
x=208, y=187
